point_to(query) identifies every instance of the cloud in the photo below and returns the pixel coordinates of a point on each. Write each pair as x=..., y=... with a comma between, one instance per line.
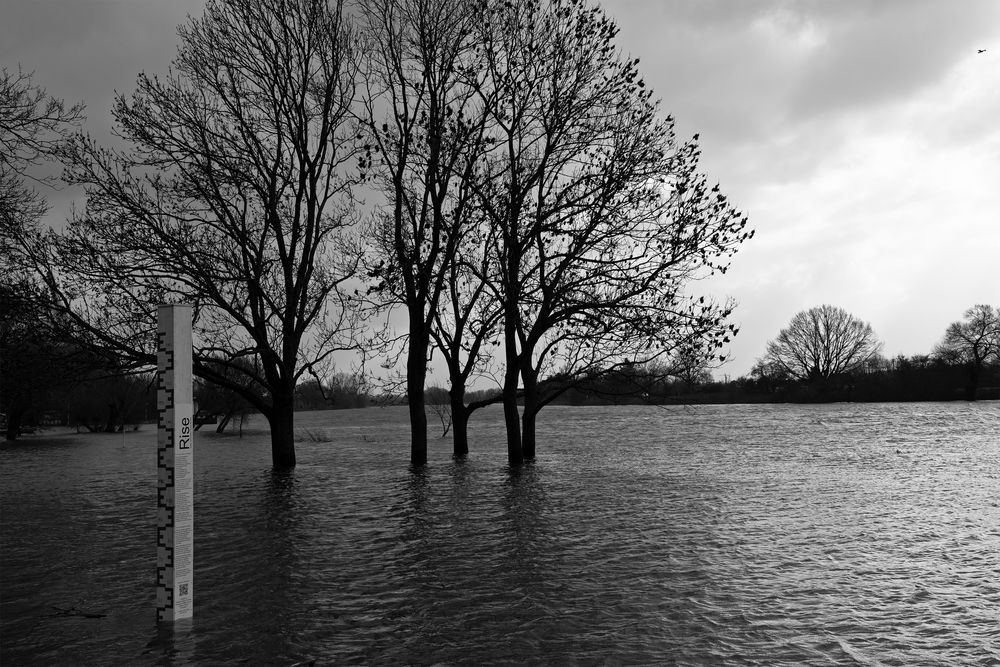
x=715, y=70
x=861, y=136
x=869, y=53
x=87, y=50
x=752, y=71
x=896, y=222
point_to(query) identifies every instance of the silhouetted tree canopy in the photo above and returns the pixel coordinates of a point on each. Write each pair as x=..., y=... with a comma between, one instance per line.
x=233, y=194
x=536, y=211
x=973, y=343
x=820, y=343
x=975, y=340
x=601, y=216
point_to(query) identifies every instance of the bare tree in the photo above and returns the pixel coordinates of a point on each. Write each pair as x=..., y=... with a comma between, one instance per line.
x=426, y=135
x=466, y=325
x=820, y=343
x=235, y=196
x=601, y=217
x=33, y=358
x=972, y=343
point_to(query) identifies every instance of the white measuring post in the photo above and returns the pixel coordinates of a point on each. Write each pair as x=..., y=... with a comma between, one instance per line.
x=175, y=465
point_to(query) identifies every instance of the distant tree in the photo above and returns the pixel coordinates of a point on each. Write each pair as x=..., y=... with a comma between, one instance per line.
x=439, y=400
x=600, y=216
x=765, y=369
x=222, y=405
x=234, y=196
x=691, y=368
x=312, y=395
x=222, y=400
x=972, y=343
x=346, y=390
x=820, y=343
x=768, y=376
x=876, y=364
x=33, y=364
x=108, y=401
x=339, y=391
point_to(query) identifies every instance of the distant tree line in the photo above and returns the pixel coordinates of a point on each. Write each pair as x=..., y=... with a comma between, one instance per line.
x=826, y=354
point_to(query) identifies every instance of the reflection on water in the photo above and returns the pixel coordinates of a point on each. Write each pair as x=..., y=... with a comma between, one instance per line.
x=766, y=535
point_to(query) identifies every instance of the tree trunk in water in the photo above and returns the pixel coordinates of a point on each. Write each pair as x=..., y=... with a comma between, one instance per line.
x=460, y=431
x=14, y=424
x=512, y=370
x=459, y=420
x=109, y=426
x=418, y=425
x=416, y=373
x=511, y=418
x=530, y=379
x=224, y=422
x=512, y=421
x=282, y=421
x=528, y=434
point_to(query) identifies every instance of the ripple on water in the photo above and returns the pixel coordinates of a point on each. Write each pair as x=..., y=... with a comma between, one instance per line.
x=745, y=535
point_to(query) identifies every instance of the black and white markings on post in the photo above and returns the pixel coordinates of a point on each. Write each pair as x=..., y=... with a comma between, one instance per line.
x=175, y=464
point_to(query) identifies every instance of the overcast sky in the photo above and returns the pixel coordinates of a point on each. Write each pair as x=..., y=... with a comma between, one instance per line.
x=862, y=137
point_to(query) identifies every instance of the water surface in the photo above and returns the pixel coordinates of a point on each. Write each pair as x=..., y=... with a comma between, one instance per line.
x=742, y=535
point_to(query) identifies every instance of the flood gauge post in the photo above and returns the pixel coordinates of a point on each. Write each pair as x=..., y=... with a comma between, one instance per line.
x=175, y=465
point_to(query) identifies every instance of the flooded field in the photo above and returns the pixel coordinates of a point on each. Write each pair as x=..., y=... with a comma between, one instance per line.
x=740, y=535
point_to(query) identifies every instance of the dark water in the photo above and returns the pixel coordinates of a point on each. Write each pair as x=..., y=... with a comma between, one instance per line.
x=756, y=535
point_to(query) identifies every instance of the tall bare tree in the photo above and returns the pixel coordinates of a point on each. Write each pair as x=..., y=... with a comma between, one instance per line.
x=33, y=358
x=234, y=194
x=601, y=215
x=820, y=343
x=972, y=343
x=426, y=134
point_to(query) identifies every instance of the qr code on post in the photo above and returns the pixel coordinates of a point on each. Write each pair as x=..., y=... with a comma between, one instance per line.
x=182, y=590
